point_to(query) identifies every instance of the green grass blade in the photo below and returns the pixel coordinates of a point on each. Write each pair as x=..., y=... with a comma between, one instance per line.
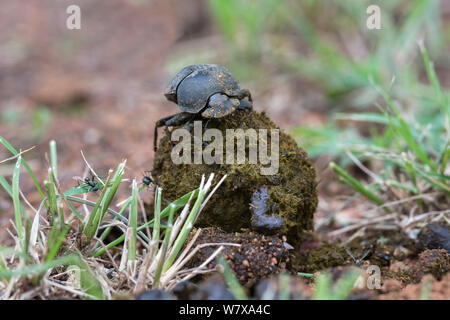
x=58, y=239
x=179, y=203
x=283, y=280
x=81, y=189
x=25, y=164
x=187, y=227
x=157, y=219
x=95, y=216
x=51, y=198
x=88, y=281
x=230, y=279
x=445, y=157
x=17, y=205
x=325, y=290
x=54, y=159
x=6, y=185
x=164, y=247
x=364, y=117
x=356, y=185
x=306, y=275
x=403, y=130
x=432, y=77
x=323, y=287
x=108, y=229
x=132, y=222
x=344, y=285
x=110, y=192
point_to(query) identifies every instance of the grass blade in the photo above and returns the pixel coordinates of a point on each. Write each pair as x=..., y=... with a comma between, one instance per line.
x=88, y=281
x=54, y=159
x=132, y=222
x=179, y=203
x=230, y=279
x=91, y=227
x=356, y=185
x=25, y=164
x=164, y=247
x=17, y=205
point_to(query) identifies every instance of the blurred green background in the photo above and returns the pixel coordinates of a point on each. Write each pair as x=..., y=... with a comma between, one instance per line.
x=326, y=47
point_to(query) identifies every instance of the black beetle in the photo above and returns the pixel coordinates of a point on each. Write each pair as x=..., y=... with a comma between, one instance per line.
x=91, y=183
x=147, y=179
x=203, y=91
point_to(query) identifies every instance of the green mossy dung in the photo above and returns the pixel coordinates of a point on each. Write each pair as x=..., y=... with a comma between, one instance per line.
x=292, y=189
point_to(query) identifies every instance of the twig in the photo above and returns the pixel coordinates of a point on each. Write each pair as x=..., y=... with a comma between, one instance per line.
x=17, y=155
x=364, y=168
x=90, y=168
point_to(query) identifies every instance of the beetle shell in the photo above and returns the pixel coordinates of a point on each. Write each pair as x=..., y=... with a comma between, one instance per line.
x=194, y=85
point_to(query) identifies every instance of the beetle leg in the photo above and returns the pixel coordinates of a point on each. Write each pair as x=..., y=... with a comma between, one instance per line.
x=170, y=121
x=220, y=105
x=188, y=125
x=245, y=105
x=244, y=93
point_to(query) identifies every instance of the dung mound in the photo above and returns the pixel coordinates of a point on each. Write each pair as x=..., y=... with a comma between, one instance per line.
x=247, y=198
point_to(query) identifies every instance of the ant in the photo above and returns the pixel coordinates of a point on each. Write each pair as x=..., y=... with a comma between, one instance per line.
x=358, y=262
x=89, y=181
x=146, y=179
x=386, y=258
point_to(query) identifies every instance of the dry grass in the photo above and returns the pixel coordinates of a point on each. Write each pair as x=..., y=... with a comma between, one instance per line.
x=57, y=255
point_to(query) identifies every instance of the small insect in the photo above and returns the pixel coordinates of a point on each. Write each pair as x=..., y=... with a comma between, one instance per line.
x=358, y=262
x=109, y=272
x=147, y=179
x=89, y=181
x=385, y=257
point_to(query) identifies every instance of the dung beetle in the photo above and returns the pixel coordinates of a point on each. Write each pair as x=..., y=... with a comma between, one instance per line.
x=203, y=91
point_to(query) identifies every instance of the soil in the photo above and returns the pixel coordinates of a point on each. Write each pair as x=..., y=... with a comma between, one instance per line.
x=257, y=257
x=434, y=236
x=437, y=290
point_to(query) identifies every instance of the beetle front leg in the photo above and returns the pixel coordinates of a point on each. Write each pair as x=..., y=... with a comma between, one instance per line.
x=219, y=106
x=244, y=93
x=170, y=121
x=245, y=105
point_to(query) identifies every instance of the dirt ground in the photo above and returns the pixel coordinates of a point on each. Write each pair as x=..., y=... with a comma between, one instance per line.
x=102, y=87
